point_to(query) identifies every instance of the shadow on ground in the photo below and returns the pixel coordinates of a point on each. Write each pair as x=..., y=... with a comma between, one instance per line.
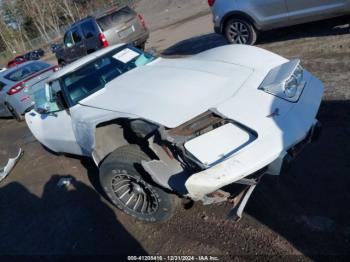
x=308, y=205
x=65, y=220
x=195, y=45
x=335, y=26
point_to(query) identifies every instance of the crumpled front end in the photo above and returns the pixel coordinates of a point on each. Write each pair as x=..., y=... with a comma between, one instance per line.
x=256, y=130
x=273, y=139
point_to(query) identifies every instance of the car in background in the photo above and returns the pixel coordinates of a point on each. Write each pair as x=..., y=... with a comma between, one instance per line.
x=17, y=86
x=109, y=27
x=31, y=56
x=40, y=52
x=34, y=55
x=241, y=20
x=16, y=61
x=159, y=128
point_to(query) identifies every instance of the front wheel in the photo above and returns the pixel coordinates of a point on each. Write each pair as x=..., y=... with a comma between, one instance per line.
x=239, y=31
x=61, y=63
x=130, y=189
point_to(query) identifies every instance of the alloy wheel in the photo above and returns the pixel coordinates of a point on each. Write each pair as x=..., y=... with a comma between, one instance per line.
x=239, y=33
x=135, y=194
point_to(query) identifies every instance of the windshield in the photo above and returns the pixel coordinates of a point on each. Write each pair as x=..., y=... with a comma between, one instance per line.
x=108, y=21
x=96, y=74
x=25, y=71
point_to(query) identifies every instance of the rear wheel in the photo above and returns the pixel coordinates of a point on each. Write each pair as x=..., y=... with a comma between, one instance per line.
x=130, y=189
x=14, y=113
x=240, y=31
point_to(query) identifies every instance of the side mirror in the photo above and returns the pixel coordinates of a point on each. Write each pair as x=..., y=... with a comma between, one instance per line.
x=42, y=109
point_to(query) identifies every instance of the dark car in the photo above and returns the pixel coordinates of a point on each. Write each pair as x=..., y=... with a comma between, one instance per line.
x=109, y=27
x=34, y=55
x=39, y=52
x=16, y=61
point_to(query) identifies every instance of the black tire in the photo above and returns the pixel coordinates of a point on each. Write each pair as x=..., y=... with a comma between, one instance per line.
x=131, y=190
x=61, y=63
x=142, y=46
x=240, y=31
x=14, y=113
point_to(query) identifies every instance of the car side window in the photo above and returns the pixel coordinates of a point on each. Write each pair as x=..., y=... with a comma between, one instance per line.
x=77, y=37
x=68, y=40
x=49, y=99
x=89, y=29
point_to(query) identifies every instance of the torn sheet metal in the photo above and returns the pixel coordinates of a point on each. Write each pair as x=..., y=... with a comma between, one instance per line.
x=4, y=171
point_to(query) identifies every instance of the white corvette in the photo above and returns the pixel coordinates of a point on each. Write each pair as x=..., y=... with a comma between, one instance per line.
x=189, y=127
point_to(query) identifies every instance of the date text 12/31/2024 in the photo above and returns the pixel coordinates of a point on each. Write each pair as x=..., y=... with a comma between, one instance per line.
x=173, y=258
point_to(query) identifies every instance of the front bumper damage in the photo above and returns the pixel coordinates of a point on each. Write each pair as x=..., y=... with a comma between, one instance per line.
x=240, y=200
x=236, y=168
x=268, y=154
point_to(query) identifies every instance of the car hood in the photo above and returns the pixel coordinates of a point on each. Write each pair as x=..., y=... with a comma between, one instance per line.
x=171, y=91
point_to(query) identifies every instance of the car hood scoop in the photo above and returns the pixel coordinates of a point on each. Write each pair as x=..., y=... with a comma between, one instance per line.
x=171, y=91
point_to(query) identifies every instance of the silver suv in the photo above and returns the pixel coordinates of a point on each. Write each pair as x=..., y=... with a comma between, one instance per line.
x=241, y=20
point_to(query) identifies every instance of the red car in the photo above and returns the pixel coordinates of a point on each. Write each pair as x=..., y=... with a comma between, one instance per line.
x=16, y=61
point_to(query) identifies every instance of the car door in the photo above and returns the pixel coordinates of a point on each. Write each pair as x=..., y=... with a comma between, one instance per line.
x=51, y=123
x=91, y=36
x=311, y=10
x=3, y=90
x=79, y=45
x=267, y=14
x=69, y=49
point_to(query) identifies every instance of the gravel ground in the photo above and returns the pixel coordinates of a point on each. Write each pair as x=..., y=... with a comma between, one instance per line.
x=162, y=13
x=297, y=216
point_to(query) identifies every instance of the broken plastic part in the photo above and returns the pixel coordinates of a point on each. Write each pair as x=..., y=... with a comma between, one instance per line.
x=10, y=165
x=241, y=200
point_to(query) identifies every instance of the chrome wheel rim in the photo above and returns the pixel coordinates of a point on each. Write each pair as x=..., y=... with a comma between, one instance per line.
x=238, y=33
x=134, y=194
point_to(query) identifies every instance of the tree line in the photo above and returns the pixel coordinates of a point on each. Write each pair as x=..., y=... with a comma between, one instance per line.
x=23, y=20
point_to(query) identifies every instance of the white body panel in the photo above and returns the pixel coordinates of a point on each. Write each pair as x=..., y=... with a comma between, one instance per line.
x=171, y=91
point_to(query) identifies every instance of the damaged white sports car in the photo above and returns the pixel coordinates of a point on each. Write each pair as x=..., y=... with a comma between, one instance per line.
x=189, y=127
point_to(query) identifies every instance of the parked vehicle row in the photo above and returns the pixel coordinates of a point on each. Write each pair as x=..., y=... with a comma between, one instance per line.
x=242, y=20
x=190, y=127
x=112, y=26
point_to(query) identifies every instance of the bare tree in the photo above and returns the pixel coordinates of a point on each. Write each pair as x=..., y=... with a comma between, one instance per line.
x=36, y=9
x=66, y=6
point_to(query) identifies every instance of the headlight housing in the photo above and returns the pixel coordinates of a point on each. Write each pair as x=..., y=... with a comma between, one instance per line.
x=285, y=81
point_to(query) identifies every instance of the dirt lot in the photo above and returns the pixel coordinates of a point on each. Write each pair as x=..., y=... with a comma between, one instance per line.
x=299, y=213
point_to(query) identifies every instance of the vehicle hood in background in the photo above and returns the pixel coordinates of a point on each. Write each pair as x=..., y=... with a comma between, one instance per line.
x=171, y=91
